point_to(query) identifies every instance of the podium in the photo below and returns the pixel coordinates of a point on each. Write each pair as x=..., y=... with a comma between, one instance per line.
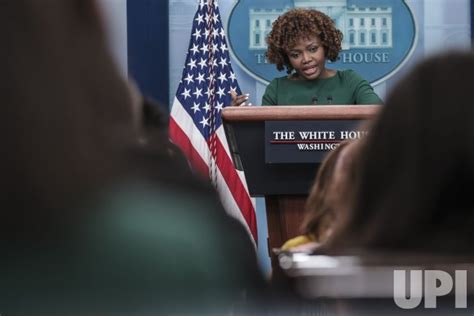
x=280, y=149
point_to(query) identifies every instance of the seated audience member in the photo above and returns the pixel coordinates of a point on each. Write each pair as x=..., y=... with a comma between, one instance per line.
x=329, y=197
x=151, y=123
x=92, y=223
x=149, y=118
x=415, y=188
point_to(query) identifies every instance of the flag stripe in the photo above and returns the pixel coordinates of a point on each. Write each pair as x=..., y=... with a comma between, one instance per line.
x=182, y=141
x=238, y=190
x=230, y=205
x=241, y=174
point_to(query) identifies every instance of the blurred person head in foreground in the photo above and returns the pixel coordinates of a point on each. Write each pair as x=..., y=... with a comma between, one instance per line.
x=93, y=223
x=415, y=189
x=329, y=197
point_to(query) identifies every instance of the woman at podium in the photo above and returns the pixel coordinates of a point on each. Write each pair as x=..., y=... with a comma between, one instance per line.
x=300, y=42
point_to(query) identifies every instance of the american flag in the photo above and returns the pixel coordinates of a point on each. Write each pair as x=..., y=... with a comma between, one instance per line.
x=195, y=120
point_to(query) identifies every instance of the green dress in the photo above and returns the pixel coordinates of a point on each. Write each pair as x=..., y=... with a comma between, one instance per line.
x=346, y=87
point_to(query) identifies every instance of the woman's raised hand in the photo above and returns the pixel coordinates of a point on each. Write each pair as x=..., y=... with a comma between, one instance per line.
x=238, y=100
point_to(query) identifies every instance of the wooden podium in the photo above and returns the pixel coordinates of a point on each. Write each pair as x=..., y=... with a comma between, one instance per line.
x=277, y=168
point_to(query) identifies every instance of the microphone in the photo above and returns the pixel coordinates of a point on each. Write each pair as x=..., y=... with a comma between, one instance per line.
x=329, y=99
x=314, y=100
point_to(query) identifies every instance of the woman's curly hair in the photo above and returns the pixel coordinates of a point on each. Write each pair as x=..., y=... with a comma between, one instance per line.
x=295, y=24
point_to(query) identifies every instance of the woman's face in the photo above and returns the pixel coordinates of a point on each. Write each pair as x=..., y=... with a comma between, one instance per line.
x=308, y=58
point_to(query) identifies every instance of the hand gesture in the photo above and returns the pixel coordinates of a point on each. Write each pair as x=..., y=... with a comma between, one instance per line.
x=238, y=100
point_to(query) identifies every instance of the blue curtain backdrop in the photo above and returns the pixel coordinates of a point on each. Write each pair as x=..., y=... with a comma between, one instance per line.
x=148, y=47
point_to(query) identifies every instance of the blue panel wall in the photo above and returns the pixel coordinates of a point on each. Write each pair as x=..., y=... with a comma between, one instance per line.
x=472, y=20
x=148, y=42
